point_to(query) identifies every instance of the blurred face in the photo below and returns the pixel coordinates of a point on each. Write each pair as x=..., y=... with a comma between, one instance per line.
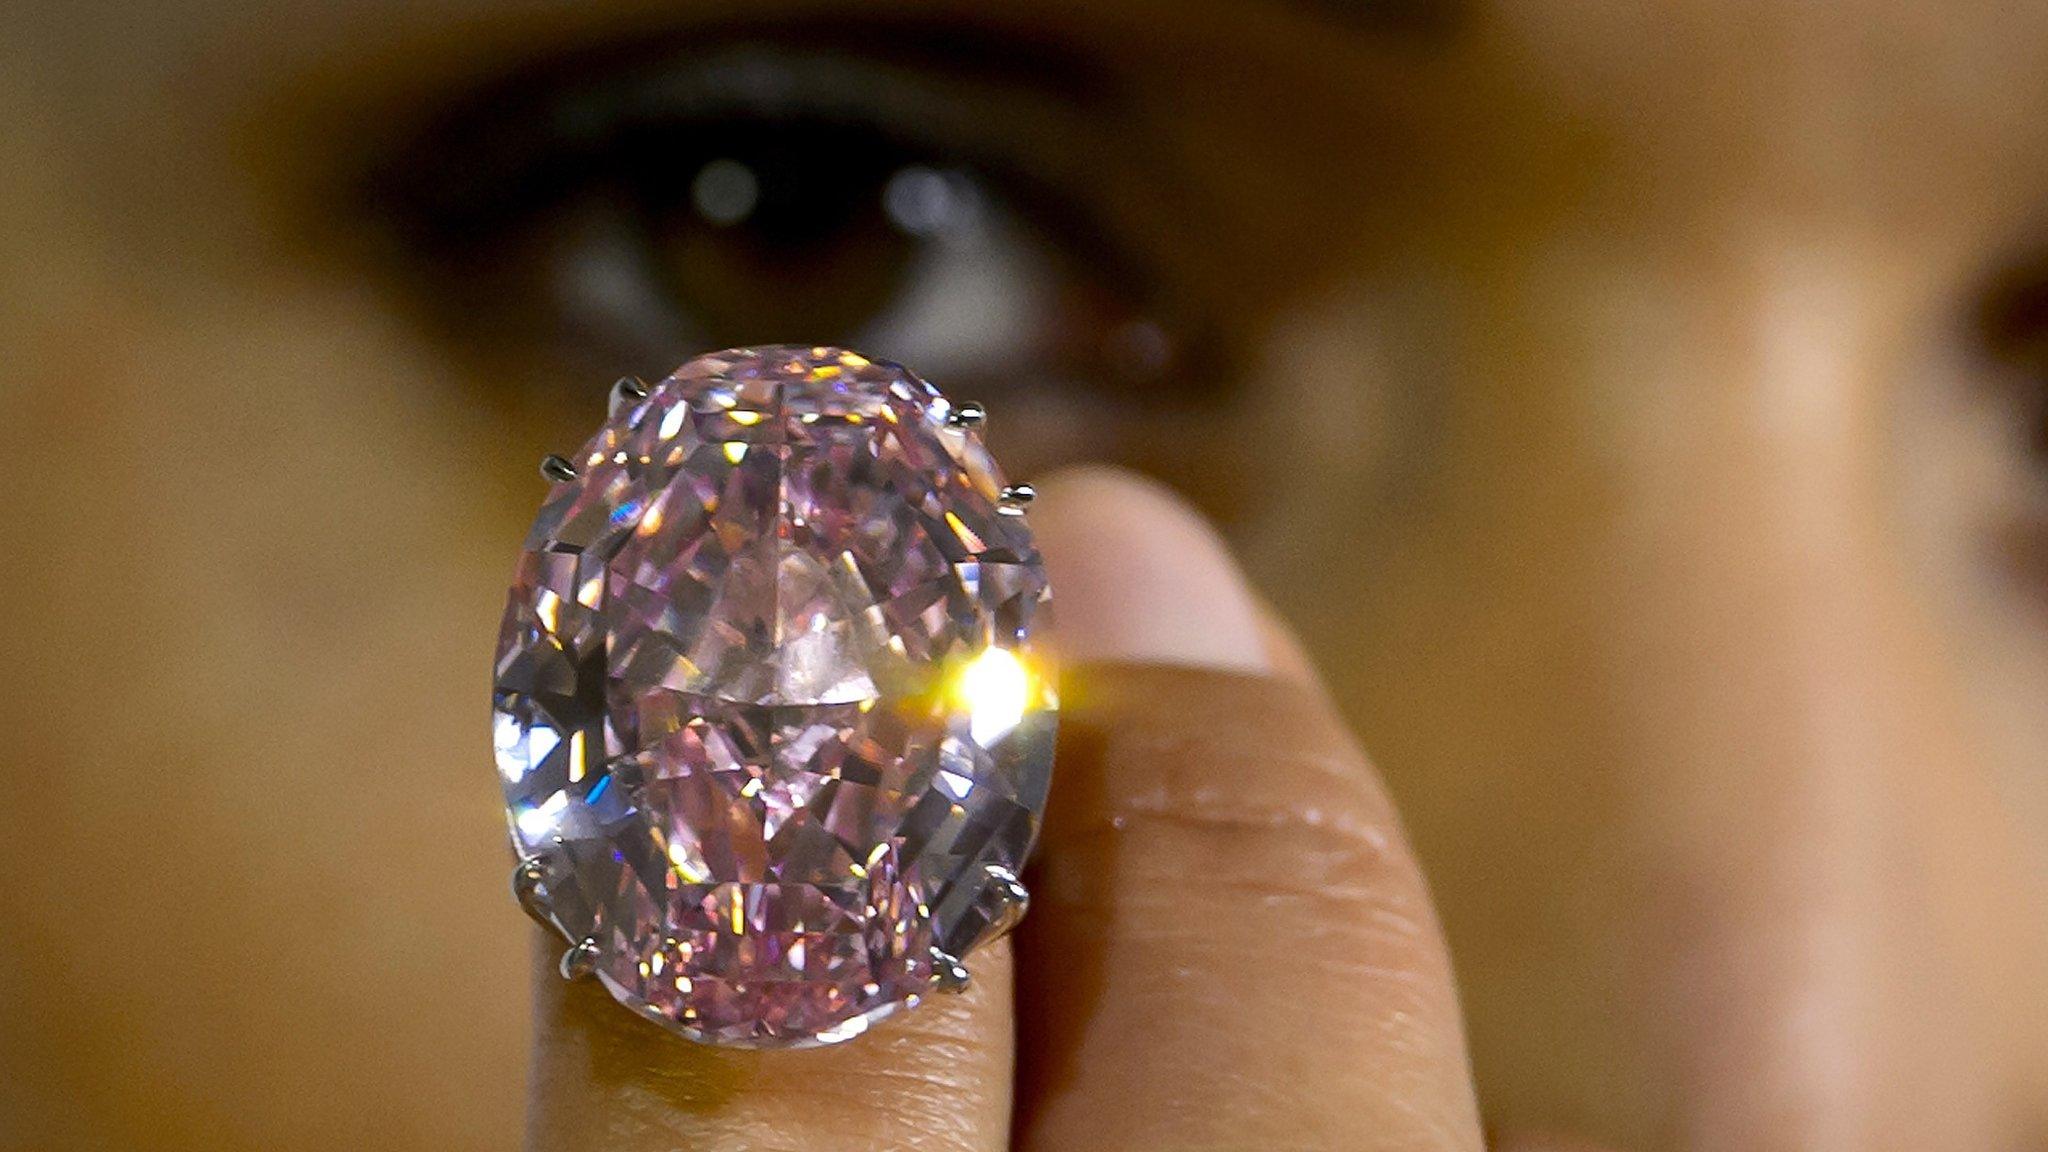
x=1635, y=407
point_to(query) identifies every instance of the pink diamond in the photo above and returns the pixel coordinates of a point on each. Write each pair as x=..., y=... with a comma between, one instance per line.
x=772, y=725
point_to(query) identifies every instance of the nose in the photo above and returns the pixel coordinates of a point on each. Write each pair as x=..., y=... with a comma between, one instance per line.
x=1817, y=849
x=1651, y=668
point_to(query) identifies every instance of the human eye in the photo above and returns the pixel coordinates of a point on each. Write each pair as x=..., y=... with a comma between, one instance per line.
x=965, y=208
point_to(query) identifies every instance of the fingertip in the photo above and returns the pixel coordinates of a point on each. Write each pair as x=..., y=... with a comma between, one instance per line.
x=1285, y=655
x=1140, y=577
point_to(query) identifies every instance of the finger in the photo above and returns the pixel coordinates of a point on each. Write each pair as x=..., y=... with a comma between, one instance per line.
x=937, y=1078
x=1230, y=945
x=1092, y=524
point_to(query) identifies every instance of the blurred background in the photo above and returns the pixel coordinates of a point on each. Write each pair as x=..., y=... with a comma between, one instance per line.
x=1639, y=409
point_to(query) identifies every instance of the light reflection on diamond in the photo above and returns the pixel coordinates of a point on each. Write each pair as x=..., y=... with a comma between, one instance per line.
x=538, y=822
x=520, y=749
x=996, y=689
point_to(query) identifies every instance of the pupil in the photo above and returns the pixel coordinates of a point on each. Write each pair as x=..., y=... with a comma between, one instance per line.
x=788, y=232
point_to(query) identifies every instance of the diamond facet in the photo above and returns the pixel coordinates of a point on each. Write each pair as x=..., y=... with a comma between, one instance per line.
x=772, y=719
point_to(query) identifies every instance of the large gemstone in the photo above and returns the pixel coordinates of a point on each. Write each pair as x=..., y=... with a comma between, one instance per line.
x=771, y=716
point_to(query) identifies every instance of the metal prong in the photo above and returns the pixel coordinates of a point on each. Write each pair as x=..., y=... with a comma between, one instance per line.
x=949, y=975
x=628, y=391
x=1003, y=900
x=557, y=468
x=526, y=878
x=1015, y=498
x=968, y=415
x=580, y=960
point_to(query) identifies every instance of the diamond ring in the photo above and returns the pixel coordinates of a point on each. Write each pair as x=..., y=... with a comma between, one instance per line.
x=773, y=711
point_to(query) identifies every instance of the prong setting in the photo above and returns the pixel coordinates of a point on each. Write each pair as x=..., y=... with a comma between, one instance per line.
x=526, y=881
x=968, y=415
x=580, y=960
x=949, y=975
x=559, y=469
x=627, y=392
x=1015, y=498
x=1004, y=901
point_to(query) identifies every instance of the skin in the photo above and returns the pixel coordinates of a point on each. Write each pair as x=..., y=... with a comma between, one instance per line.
x=1615, y=429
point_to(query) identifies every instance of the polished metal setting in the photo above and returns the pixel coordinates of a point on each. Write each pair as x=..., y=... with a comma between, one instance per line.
x=526, y=879
x=1004, y=900
x=949, y=975
x=581, y=959
x=968, y=415
x=557, y=468
x=625, y=393
x=1015, y=498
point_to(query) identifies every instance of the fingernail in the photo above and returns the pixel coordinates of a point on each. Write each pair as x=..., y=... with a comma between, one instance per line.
x=1138, y=576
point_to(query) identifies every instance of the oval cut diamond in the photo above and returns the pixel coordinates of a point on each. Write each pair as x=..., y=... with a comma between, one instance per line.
x=772, y=721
